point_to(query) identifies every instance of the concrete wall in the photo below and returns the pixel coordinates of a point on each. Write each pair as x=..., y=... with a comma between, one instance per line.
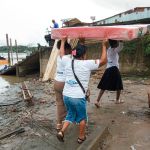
x=44, y=56
x=135, y=63
x=29, y=65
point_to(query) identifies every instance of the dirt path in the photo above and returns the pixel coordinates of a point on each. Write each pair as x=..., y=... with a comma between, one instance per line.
x=129, y=123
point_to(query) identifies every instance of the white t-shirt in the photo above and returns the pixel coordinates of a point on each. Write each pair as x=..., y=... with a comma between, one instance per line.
x=113, y=57
x=60, y=70
x=82, y=70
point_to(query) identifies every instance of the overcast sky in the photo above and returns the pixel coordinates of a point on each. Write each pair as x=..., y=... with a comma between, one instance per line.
x=27, y=20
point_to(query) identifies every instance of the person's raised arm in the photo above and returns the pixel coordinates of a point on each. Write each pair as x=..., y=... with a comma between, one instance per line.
x=103, y=58
x=62, y=47
x=120, y=47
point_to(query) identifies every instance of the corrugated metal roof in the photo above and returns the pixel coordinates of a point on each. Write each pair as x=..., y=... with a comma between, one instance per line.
x=132, y=15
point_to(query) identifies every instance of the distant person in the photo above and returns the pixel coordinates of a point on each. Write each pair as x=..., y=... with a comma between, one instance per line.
x=48, y=35
x=55, y=24
x=5, y=67
x=111, y=79
x=59, y=83
x=74, y=97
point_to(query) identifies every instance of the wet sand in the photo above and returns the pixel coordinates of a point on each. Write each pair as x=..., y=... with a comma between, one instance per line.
x=129, y=123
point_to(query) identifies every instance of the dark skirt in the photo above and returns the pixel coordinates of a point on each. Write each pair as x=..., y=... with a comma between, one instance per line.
x=111, y=80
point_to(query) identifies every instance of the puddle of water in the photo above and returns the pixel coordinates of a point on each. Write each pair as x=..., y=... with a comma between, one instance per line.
x=9, y=86
x=3, y=85
x=7, y=81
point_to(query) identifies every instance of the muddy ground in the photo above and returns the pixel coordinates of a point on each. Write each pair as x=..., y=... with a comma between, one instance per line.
x=128, y=123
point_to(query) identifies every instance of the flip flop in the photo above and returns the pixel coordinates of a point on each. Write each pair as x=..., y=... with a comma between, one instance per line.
x=60, y=136
x=80, y=141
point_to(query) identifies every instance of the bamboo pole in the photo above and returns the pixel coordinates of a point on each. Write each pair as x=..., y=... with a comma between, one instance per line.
x=7, y=41
x=11, y=51
x=16, y=50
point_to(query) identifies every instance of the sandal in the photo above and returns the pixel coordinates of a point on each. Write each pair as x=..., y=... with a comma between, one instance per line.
x=60, y=136
x=58, y=127
x=80, y=141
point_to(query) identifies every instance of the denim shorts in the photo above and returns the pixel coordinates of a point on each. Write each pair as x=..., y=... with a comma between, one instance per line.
x=76, y=109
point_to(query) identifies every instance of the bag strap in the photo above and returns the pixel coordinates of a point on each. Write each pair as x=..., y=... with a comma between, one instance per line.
x=77, y=77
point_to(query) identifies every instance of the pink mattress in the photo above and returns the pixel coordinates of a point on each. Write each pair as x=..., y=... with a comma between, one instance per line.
x=120, y=32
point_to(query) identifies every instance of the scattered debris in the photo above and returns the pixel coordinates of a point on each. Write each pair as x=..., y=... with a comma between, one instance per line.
x=136, y=122
x=26, y=93
x=132, y=147
x=42, y=101
x=123, y=112
x=8, y=104
x=16, y=131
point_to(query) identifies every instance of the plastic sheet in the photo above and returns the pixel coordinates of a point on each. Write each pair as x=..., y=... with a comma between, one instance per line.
x=120, y=32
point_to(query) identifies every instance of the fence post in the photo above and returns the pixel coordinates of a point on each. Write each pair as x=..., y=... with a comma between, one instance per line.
x=8, y=49
x=11, y=51
x=16, y=50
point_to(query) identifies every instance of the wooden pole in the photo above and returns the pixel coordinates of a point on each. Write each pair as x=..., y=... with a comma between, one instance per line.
x=8, y=49
x=11, y=51
x=16, y=50
x=148, y=99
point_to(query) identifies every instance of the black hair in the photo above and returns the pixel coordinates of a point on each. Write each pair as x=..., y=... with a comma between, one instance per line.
x=113, y=43
x=58, y=44
x=67, y=47
x=80, y=51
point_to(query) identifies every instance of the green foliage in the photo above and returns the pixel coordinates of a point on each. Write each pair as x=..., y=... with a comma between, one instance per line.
x=21, y=49
x=147, y=49
x=146, y=45
x=130, y=47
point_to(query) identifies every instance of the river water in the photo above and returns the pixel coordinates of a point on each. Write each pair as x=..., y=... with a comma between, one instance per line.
x=7, y=82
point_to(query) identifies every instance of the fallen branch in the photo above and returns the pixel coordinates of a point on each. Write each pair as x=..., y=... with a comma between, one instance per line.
x=8, y=104
x=17, y=131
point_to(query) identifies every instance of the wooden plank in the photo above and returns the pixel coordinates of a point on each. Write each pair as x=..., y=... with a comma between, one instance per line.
x=51, y=66
x=26, y=92
x=53, y=72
